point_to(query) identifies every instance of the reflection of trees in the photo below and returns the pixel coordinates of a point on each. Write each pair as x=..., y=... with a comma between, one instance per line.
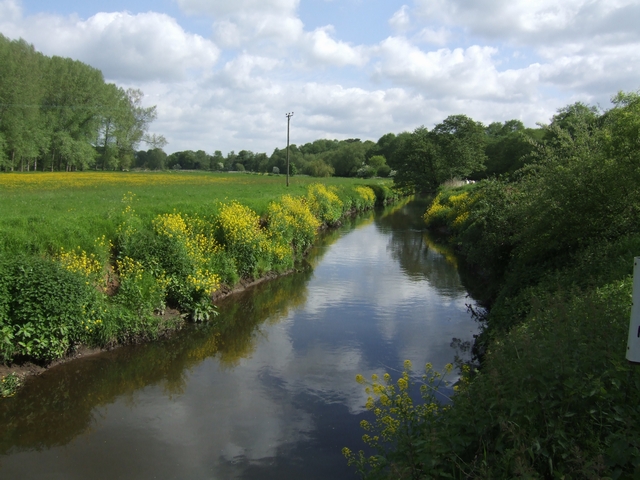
x=406, y=215
x=418, y=255
x=59, y=405
x=242, y=315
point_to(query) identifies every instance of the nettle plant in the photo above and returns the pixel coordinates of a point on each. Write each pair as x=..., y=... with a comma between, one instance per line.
x=45, y=309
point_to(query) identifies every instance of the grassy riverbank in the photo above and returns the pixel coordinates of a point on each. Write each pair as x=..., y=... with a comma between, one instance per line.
x=98, y=259
x=554, y=396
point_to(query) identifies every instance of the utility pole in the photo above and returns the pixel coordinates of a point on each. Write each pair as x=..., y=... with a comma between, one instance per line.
x=288, y=115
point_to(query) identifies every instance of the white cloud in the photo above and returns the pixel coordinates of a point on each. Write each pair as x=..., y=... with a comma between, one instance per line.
x=323, y=49
x=463, y=73
x=125, y=47
x=401, y=21
x=239, y=72
x=539, y=22
x=243, y=22
x=601, y=72
x=253, y=27
x=225, y=7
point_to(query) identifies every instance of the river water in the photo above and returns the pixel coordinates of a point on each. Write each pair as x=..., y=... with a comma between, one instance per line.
x=272, y=394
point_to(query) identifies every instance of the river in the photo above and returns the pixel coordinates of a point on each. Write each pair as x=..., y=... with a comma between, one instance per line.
x=272, y=393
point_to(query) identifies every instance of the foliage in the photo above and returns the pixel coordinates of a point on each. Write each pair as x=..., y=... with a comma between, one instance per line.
x=454, y=148
x=139, y=291
x=79, y=262
x=384, y=194
x=191, y=280
x=508, y=148
x=461, y=143
x=449, y=208
x=318, y=168
x=359, y=199
x=45, y=308
x=417, y=166
x=238, y=229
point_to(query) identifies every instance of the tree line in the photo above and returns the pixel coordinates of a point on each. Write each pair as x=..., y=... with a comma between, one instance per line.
x=458, y=147
x=59, y=114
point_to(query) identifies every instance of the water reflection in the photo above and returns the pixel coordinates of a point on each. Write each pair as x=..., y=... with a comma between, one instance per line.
x=57, y=406
x=267, y=393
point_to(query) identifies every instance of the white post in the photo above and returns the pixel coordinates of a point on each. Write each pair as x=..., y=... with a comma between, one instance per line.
x=633, y=342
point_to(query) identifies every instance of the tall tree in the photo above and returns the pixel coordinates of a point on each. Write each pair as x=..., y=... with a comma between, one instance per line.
x=507, y=148
x=348, y=158
x=461, y=143
x=71, y=105
x=132, y=127
x=114, y=108
x=417, y=163
x=20, y=98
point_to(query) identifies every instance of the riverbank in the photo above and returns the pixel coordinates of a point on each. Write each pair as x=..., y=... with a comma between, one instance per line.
x=554, y=396
x=158, y=274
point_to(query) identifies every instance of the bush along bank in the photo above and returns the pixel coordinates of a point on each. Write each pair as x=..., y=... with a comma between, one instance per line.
x=121, y=292
x=554, y=396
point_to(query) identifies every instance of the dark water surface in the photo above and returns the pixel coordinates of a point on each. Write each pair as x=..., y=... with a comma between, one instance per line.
x=273, y=395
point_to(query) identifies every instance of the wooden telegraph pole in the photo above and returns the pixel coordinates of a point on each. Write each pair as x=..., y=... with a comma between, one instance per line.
x=288, y=115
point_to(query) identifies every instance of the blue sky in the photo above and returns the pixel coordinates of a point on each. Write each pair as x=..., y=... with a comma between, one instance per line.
x=223, y=74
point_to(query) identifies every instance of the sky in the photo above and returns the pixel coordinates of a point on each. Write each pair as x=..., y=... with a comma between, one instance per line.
x=223, y=73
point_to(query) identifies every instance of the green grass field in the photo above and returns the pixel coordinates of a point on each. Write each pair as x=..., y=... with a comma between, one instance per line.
x=41, y=212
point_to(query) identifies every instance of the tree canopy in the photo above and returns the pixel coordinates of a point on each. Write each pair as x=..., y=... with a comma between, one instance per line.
x=58, y=113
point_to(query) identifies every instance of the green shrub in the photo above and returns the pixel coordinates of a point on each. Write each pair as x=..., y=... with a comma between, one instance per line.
x=192, y=238
x=44, y=308
x=383, y=171
x=556, y=396
x=139, y=290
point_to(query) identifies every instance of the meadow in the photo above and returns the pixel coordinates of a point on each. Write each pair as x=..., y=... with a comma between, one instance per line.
x=41, y=212
x=96, y=259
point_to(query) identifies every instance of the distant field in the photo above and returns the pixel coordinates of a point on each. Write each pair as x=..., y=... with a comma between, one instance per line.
x=41, y=212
